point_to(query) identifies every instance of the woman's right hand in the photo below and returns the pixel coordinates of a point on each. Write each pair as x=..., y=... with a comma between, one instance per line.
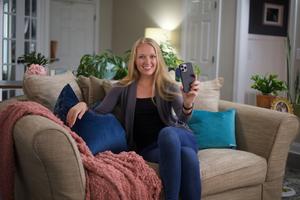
x=75, y=112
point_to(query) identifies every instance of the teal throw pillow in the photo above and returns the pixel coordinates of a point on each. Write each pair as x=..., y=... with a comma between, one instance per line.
x=101, y=132
x=214, y=129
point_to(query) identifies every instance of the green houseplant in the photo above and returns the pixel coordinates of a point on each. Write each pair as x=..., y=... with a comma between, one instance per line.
x=296, y=100
x=170, y=57
x=172, y=60
x=109, y=66
x=293, y=97
x=269, y=86
x=33, y=58
x=105, y=65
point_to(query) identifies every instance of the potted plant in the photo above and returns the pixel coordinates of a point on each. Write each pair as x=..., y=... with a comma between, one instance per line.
x=105, y=65
x=33, y=58
x=170, y=57
x=35, y=63
x=269, y=86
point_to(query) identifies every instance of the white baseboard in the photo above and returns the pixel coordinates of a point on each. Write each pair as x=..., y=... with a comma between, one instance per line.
x=295, y=148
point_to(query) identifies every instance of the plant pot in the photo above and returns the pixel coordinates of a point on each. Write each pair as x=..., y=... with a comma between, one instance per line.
x=109, y=71
x=264, y=101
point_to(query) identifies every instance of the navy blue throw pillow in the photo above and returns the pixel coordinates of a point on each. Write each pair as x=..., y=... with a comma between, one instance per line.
x=100, y=132
x=66, y=100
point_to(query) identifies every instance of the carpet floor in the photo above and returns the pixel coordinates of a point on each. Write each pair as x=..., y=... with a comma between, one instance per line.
x=292, y=181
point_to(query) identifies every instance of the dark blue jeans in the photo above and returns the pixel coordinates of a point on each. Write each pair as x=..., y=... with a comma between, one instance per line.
x=176, y=152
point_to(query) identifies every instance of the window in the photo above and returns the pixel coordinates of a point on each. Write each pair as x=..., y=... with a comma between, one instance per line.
x=30, y=29
x=19, y=36
x=8, y=43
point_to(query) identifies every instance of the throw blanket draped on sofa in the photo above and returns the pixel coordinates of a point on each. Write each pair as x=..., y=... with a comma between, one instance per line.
x=109, y=176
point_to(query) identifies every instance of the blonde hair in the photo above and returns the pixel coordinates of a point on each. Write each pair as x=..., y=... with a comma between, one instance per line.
x=162, y=81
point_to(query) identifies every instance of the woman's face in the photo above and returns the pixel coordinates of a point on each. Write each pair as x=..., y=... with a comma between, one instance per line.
x=146, y=60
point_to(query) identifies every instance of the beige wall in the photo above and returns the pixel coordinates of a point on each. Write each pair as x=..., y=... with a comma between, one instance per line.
x=297, y=62
x=105, y=26
x=131, y=17
x=129, y=22
x=226, y=66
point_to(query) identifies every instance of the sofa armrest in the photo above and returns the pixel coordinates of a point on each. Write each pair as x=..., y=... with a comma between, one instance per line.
x=3, y=104
x=264, y=132
x=48, y=161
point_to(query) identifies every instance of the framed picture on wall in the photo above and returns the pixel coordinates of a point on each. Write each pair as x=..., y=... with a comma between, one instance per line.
x=273, y=14
x=269, y=17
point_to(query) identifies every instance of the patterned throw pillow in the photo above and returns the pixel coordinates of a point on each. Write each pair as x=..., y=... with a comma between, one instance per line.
x=214, y=129
x=100, y=132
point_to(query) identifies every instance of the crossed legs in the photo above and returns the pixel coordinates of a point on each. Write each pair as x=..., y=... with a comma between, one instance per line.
x=176, y=153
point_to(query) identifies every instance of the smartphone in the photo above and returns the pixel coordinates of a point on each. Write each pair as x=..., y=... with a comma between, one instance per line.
x=187, y=75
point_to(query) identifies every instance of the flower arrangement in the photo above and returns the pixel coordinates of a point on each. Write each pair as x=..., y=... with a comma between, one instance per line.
x=34, y=63
x=36, y=69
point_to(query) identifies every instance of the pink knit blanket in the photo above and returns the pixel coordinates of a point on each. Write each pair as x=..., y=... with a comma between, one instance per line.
x=109, y=176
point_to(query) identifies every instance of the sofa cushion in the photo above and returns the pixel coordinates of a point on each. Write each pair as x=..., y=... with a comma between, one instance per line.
x=45, y=89
x=84, y=84
x=209, y=95
x=227, y=169
x=100, y=132
x=214, y=129
x=98, y=89
x=93, y=89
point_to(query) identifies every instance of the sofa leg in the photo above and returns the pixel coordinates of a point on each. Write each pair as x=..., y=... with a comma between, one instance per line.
x=272, y=189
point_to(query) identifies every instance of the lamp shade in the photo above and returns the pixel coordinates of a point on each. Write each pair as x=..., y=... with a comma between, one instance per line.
x=158, y=34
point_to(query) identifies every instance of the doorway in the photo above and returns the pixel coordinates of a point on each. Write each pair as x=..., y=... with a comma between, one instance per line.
x=73, y=27
x=200, y=41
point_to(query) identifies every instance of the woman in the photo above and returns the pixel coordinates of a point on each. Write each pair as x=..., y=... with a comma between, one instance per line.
x=147, y=96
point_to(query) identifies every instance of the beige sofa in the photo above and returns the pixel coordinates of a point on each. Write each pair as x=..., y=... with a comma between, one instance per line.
x=49, y=165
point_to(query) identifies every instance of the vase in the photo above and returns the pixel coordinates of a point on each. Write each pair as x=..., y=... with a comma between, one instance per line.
x=264, y=101
x=109, y=71
x=53, y=49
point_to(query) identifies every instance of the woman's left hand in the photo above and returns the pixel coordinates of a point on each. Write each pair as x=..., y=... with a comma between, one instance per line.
x=189, y=97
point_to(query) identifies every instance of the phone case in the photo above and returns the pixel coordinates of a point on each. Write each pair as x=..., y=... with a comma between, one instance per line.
x=187, y=75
